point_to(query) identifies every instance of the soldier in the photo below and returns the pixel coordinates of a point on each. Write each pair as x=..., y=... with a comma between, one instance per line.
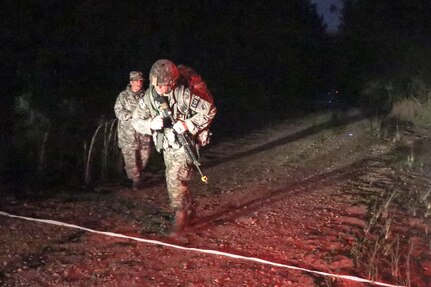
x=191, y=113
x=135, y=147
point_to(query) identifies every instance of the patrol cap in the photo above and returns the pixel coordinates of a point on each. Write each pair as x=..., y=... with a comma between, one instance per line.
x=135, y=76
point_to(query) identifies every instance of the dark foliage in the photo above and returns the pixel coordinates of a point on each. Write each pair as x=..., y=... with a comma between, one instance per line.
x=386, y=41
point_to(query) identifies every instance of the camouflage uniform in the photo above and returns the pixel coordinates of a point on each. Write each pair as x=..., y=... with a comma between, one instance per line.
x=136, y=147
x=197, y=113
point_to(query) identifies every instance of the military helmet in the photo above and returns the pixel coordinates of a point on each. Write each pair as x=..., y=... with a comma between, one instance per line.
x=164, y=73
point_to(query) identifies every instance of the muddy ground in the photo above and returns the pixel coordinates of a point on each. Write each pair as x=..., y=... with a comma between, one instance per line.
x=319, y=196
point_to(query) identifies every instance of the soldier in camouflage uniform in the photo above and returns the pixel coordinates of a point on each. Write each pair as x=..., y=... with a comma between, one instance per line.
x=134, y=146
x=191, y=113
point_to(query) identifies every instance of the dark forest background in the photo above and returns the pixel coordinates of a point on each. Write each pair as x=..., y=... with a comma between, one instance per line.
x=64, y=63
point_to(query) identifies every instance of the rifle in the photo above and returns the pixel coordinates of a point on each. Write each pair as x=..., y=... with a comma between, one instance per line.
x=183, y=138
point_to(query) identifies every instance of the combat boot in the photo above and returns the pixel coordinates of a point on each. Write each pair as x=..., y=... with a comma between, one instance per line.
x=183, y=218
x=190, y=214
x=180, y=220
x=137, y=185
x=180, y=224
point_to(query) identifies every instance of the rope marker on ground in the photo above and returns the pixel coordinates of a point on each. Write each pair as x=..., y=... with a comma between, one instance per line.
x=207, y=251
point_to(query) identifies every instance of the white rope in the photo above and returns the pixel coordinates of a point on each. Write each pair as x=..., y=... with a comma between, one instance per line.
x=208, y=251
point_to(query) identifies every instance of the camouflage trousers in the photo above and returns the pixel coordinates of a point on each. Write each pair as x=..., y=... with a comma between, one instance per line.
x=179, y=172
x=135, y=161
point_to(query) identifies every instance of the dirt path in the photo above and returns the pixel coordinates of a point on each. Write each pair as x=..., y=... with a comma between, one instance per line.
x=306, y=194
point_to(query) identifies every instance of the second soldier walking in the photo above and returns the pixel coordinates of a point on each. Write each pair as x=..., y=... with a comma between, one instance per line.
x=135, y=147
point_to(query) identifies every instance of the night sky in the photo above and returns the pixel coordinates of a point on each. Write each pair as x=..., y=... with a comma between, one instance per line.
x=331, y=18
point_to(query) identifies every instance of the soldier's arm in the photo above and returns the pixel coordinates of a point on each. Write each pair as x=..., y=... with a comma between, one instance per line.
x=203, y=114
x=141, y=118
x=120, y=109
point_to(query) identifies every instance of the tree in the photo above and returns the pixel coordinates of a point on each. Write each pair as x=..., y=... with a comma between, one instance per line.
x=385, y=40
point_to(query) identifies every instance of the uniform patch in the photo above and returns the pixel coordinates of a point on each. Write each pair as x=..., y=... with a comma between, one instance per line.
x=195, y=102
x=200, y=105
x=204, y=107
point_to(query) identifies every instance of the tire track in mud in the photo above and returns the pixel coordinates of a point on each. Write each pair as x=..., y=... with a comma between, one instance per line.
x=324, y=244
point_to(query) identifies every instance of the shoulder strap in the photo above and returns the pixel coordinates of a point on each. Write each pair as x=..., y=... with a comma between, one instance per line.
x=149, y=98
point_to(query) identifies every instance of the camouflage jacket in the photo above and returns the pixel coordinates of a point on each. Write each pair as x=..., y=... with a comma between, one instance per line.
x=125, y=104
x=195, y=111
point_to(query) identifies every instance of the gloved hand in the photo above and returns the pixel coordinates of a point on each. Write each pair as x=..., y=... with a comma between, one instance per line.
x=180, y=127
x=157, y=123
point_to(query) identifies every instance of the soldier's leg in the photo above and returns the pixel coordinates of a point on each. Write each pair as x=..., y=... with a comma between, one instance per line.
x=144, y=153
x=131, y=166
x=178, y=177
x=144, y=156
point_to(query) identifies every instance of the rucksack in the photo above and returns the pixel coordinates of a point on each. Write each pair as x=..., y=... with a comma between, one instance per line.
x=194, y=82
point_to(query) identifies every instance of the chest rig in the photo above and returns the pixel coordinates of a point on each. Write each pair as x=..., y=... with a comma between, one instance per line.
x=178, y=108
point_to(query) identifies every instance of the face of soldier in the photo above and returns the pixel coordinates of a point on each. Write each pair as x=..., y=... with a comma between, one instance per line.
x=136, y=85
x=161, y=90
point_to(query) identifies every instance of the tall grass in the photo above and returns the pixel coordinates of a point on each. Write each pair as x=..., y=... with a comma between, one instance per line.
x=386, y=246
x=107, y=142
x=413, y=110
x=108, y=137
x=87, y=177
x=404, y=99
x=42, y=154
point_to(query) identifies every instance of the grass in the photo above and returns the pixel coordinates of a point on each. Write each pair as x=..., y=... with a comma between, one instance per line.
x=381, y=251
x=413, y=110
x=385, y=248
